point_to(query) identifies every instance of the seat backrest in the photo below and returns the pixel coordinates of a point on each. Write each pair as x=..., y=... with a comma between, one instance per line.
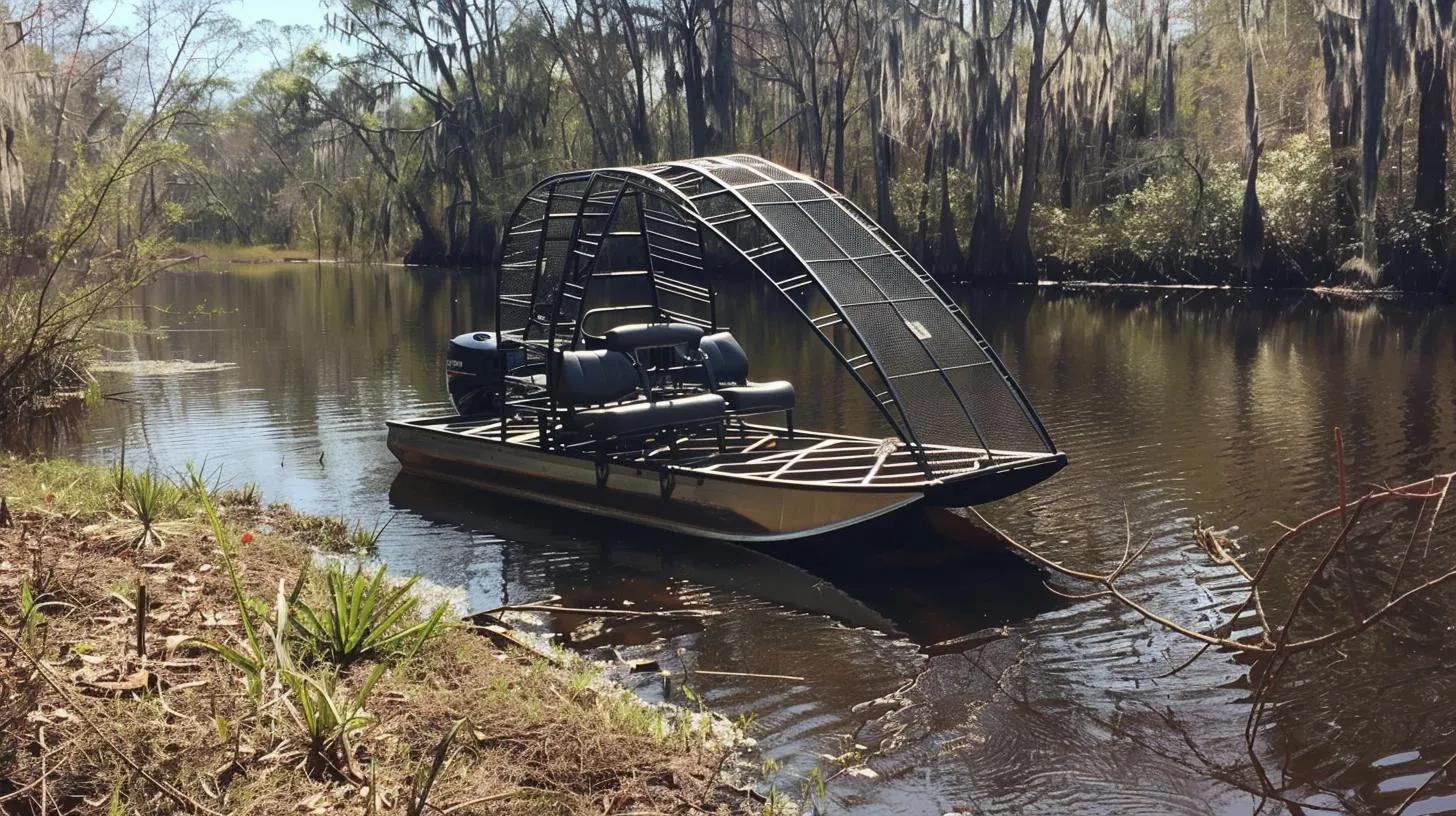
x=725, y=357
x=594, y=377
x=652, y=335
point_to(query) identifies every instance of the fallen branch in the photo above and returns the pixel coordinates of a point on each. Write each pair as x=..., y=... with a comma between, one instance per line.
x=77, y=706
x=623, y=613
x=1276, y=645
x=748, y=674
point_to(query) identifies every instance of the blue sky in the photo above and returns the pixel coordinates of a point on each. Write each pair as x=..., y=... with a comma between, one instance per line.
x=282, y=12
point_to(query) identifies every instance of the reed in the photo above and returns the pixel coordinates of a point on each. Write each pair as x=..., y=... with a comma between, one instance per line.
x=360, y=615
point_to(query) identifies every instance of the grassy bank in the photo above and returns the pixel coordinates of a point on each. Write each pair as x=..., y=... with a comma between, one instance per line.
x=260, y=253
x=168, y=646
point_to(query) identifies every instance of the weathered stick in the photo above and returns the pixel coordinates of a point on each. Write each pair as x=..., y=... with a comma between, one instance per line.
x=141, y=618
x=624, y=613
x=76, y=706
x=748, y=674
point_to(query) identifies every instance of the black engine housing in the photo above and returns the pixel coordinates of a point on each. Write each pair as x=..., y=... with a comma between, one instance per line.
x=475, y=368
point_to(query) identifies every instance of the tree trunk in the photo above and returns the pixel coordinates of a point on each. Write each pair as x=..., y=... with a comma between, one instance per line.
x=1251, y=224
x=839, y=126
x=922, y=214
x=1374, y=68
x=641, y=128
x=948, y=258
x=1020, y=265
x=1423, y=271
x=694, y=92
x=721, y=76
x=429, y=247
x=884, y=159
x=1341, y=113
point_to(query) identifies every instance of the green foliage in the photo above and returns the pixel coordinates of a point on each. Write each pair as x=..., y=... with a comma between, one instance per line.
x=149, y=499
x=424, y=778
x=249, y=653
x=1297, y=191
x=33, y=606
x=365, y=540
x=360, y=615
x=1179, y=219
x=814, y=791
x=326, y=714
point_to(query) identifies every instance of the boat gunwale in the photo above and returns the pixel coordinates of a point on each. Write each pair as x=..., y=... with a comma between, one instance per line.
x=640, y=466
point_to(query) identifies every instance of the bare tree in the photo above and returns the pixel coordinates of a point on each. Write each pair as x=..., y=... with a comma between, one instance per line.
x=92, y=225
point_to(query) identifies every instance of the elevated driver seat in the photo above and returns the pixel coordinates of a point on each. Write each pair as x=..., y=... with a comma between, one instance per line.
x=727, y=370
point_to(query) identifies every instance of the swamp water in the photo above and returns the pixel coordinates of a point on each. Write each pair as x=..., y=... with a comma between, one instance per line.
x=1175, y=404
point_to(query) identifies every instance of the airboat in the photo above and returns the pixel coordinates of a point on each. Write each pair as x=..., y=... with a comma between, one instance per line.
x=609, y=386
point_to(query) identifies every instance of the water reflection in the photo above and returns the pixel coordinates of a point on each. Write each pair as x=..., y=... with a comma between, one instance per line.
x=1176, y=405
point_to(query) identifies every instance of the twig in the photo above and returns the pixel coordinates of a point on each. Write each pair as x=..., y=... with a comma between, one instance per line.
x=1340, y=460
x=1410, y=800
x=167, y=789
x=141, y=618
x=1107, y=582
x=626, y=613
x=748, y=674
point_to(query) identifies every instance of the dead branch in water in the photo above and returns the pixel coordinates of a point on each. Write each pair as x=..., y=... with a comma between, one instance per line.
x=1299, y=629
x=1274, y=639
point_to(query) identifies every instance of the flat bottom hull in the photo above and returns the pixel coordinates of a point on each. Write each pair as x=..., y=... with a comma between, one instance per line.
x=674, y=499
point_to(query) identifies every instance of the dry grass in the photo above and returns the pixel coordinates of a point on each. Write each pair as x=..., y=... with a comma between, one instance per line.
x=87, y=725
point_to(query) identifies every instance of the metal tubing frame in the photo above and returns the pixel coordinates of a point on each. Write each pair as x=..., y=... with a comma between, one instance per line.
x=945, y=300
x=646, y=180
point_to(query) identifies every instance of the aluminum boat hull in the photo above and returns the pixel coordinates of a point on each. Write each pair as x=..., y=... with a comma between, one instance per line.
x=667, y=497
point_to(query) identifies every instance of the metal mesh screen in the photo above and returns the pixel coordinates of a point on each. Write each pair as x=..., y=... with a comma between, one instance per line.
x=951, y=391
x=888, y=321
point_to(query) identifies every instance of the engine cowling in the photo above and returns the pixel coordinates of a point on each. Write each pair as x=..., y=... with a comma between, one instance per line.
x=475, y=368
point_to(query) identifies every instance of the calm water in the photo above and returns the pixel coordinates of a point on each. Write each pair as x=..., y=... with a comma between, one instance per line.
x=1175, y=405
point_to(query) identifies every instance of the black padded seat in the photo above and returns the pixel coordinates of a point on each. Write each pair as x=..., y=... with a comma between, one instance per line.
x=595, y=377
x=652, y=335
x=759, y=398
x=644, y=416
x=728, y=363
x=725, y=357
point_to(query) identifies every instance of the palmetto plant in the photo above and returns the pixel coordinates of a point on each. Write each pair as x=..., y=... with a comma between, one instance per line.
x=357, y=615
x=327, y=715
x=360, y=615
x=148, y=498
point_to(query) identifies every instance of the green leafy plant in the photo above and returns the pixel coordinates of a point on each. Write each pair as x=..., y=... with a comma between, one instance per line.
x=33, y=606
x=360, y=615
x=198, y=481
x=249, y=495
x=249, y=655
x=424, y=778
x=328, y=715
x=814, y=792
x=149, y=499
x=366, y=539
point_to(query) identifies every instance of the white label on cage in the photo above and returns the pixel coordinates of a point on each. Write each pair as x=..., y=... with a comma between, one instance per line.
x=918, y=329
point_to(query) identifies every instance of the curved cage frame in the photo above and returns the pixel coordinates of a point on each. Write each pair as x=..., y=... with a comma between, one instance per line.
x=916, y=355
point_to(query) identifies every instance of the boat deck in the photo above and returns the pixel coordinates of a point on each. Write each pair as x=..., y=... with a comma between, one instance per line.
x=765, y=453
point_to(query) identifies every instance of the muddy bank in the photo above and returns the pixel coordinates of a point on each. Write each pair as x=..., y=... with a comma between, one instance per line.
x=170, y=645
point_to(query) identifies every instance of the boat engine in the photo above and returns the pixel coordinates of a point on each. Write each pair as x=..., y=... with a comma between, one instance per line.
x=474, y=369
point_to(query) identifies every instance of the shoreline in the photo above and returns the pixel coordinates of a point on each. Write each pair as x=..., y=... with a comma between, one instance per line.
x=140, y=609
x=265, y=255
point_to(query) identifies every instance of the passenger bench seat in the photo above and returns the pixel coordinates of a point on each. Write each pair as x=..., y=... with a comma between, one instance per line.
x=586, y=378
